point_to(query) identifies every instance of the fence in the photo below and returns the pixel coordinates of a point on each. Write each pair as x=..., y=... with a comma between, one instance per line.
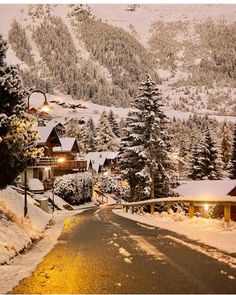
x=225, y=201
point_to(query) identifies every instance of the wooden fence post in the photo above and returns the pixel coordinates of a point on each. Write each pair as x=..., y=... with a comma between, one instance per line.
x=191, y=210
x=152, y=206
x=126, y=209
x=132, y=210
x=227, y=213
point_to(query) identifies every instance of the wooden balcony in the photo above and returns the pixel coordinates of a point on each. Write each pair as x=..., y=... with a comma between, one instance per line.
x=44, y=162
x=80, y=165
x=72, y=165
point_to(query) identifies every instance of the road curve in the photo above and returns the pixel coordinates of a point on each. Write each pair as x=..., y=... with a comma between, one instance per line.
x=101, y=252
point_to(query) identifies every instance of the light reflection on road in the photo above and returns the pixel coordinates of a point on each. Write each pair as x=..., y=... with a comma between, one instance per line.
x=65, y=269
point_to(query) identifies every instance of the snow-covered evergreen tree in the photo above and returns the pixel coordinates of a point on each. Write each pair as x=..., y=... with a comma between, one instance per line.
x=226, y=144
x=232, y=166
x=121, y=127
x=17, y=133
x=113, y=123
x=72, y=128
x=195, y=171
x=209, y=159
x=106, y=139
x=87, y=138
x=145, y=155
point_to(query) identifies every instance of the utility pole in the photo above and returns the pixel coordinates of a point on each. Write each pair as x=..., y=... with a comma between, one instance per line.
x=25, y=201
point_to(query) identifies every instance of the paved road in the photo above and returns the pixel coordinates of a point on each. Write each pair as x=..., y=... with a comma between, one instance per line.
x=100, y=252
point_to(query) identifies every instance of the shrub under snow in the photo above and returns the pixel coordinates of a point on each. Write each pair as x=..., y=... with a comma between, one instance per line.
x=74, y=188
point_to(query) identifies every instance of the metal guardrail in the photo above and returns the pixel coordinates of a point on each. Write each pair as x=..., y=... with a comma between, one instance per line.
x=227, y=203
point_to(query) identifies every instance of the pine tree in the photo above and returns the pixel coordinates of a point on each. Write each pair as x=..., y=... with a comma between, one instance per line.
x=87, y=137
x=72, y=128
x=106, y=139
x=226, y=144
x=232, y=166
x=209, y=159
x=121, y=127
x=195, y=167
x=113, y=123
x=145, y=154
x=17, y=134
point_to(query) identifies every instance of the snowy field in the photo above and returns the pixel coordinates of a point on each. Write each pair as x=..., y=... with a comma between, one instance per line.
x=212, y=232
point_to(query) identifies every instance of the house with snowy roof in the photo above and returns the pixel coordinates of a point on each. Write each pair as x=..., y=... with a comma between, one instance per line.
x=66, y=156
x=101, y=161
x=42, y=168
x=207, y=191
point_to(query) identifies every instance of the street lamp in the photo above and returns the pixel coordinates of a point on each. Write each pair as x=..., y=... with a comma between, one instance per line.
x=45, y=108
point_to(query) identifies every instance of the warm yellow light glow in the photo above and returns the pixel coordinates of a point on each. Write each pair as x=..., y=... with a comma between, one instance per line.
x=105, y=173
x=45, y=109
x=206, y=207
x=61, y=160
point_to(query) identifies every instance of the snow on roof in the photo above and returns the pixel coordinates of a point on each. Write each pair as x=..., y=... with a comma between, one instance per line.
x=66, y=144
x=44, y=133
x=206, y=188
x=58, y=120
x=97, y=159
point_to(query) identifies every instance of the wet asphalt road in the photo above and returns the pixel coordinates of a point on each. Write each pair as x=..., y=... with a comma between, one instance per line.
x=100, y=252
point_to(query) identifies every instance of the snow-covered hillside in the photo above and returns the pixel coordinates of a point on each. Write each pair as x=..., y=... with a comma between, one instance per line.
x=142, y=18
x=183, y=92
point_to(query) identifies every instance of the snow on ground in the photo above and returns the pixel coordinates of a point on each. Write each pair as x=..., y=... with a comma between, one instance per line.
x=94, y=111
x=23, y=265
x=16, y=232
x=146, y=14
x=59, y=202
x=212, y=232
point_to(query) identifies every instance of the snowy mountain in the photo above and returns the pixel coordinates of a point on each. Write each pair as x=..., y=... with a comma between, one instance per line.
x=100, y=53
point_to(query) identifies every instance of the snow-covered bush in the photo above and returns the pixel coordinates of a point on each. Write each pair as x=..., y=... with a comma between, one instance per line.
x=110, y=185
x=74, y=188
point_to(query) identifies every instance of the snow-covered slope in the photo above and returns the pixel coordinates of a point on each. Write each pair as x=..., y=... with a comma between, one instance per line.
x=201, y=99
x=142, y=18
x=16, y=232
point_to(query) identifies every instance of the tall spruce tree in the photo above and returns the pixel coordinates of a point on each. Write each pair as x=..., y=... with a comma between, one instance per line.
x=113, y=123
x=209, y=158
x=17, y=134
x=106, y=139
x=232, y=166
x=195, y=170
x=87, y=137
x=145, y=154
x=226, y=144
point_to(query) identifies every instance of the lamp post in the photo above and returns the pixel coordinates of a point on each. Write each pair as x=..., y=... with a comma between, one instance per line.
x=45, y=108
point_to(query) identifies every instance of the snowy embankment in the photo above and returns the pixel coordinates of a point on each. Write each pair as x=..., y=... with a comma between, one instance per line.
x=212, y=232
x=16, y=232
x=22, y=266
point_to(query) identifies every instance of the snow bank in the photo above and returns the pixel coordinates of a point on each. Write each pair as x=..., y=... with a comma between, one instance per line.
x=212, y=232
x=16, y=232
x=22, y=266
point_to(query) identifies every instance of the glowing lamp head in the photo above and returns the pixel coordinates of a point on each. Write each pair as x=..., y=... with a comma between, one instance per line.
x=46, y=107
x=61, y=160
x=206, y=207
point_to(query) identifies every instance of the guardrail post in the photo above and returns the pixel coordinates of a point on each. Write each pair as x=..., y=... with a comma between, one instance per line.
x=227, y=213
x=132, y=210
x=126, y=209
x=191, y=210
x=152, y=208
